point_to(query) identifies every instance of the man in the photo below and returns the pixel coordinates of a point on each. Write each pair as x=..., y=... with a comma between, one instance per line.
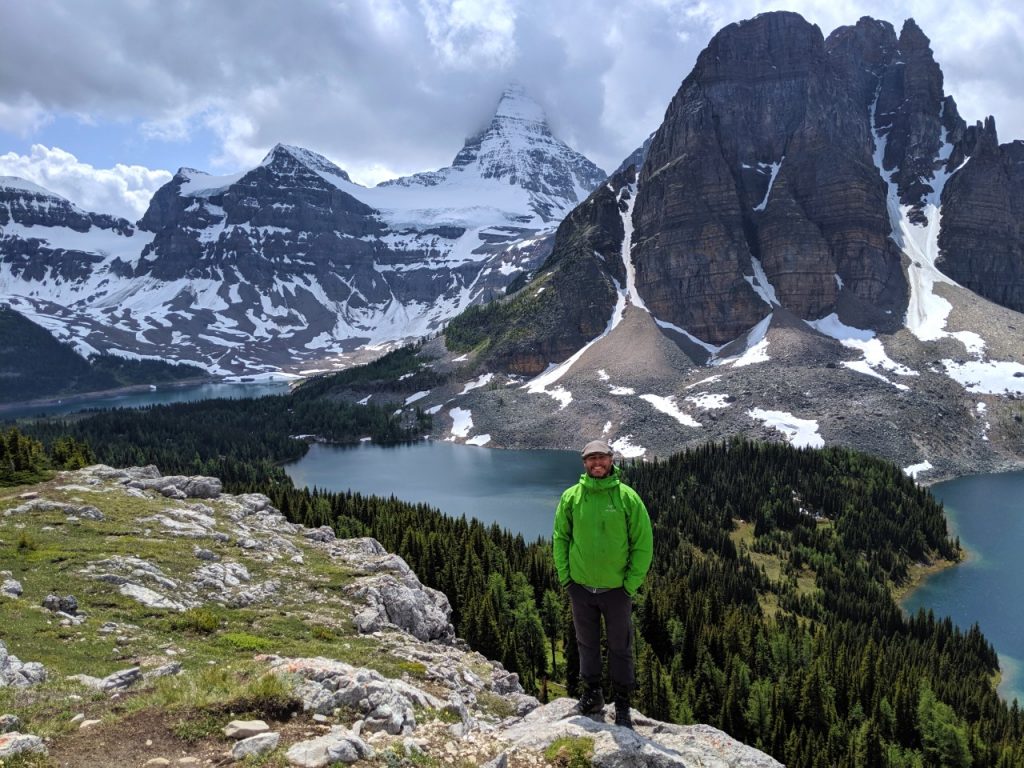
x=603, y=547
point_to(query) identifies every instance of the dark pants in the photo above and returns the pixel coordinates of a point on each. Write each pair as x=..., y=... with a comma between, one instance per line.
x=587, y=609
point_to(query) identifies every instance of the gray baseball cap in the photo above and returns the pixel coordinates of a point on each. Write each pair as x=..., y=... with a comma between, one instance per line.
x=596, y=446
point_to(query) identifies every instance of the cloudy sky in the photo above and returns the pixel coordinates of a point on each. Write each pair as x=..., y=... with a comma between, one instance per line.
x=101, y=100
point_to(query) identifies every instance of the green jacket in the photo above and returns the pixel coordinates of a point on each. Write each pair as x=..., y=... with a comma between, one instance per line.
x=602, y=536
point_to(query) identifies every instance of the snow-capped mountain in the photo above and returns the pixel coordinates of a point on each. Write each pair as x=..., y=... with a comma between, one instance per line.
x=290, y=264
x=517, y=150
x=816, y=249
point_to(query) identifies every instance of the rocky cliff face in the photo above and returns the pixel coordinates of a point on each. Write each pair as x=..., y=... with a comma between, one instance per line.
x=815, y=244
x=568, y=302
x=762, y=174
x=29, y=217
x=982, y=240
x=290, y=264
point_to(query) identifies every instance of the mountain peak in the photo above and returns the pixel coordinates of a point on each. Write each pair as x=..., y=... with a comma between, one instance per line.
x=24, y=185
x=516, y=104
x=518, y=151
x=289, y=153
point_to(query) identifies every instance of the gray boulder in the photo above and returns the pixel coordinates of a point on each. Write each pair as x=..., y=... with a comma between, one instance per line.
x=116, y=681
x=386, y=705
x=652, y=744
x=323, y=534
x=244, y=729
x=180, y=486
x=340, y=745
x=394, y=597
x=11, y=588
x=256, y=745
x=421, y=611
x=15, y=743
x=14, y=672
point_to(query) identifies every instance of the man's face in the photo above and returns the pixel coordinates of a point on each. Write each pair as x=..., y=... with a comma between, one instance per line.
x=598, y=464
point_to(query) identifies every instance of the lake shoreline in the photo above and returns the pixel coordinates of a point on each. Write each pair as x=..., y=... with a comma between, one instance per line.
x=100, y=394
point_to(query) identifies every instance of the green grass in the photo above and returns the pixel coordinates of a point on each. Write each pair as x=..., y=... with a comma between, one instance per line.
x=569, y=752
x=215, y=644
x=49, y=707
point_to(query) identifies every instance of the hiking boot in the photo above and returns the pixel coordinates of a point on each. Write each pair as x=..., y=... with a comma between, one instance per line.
x=622, y=716
x=591, y=702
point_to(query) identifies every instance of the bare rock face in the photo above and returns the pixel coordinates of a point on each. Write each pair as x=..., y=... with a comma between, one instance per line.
x=571, y=297
x=914, y=115
x=982, y=241
x=764, y=162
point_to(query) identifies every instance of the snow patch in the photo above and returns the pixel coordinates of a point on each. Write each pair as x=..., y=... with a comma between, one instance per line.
x=709, y=401
x=625, y=447
x=916, y=469
x=987, y=378
x=759, y=282
x=480, y=381
x=771, y=182
x=801, y=433
x=667, y=405
x=479, y=440
x=462, y=422
x=757, y=347
x=868, y=344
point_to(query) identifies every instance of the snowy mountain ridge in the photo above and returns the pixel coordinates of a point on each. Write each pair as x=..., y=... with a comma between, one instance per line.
x=290, y=265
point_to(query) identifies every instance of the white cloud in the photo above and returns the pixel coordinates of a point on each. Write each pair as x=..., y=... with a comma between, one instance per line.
x=398, y=85
x=124, y=190
x=23, y=116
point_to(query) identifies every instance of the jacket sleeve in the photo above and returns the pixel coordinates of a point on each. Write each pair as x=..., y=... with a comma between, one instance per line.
x=561, y=537
x=641, y=544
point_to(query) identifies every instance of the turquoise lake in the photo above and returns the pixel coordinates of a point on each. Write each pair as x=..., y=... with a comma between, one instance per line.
x=516, y=489
x=987, y=513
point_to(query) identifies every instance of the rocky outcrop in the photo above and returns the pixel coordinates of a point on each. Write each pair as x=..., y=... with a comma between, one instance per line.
x=652, y=744
x=982, y=239
x=760, y=188
x=14, y=672
x=393, y=594
x=14, y=743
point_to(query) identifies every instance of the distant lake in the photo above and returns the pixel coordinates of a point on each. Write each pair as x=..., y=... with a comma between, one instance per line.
x=164, y=393
x=987, y=513
x=516, y=489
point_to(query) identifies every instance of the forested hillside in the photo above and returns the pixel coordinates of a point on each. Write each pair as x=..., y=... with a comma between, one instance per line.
x=34, y=364
x=243, y=442
x=768, y=613
x=769, y=610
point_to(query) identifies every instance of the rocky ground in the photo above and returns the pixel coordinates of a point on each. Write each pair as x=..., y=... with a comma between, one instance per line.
x=154, y=620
